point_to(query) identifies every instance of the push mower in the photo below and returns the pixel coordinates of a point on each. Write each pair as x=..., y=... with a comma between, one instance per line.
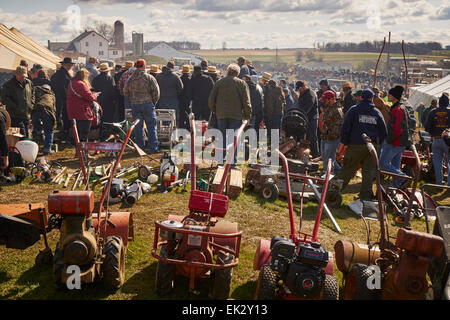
x=399, y=269
x=199, y=245
x=297, y=267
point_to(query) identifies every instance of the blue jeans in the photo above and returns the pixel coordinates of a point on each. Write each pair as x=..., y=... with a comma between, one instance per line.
x=43, y=121
x=311, y=136
x=329, y=149
x=145, y=113
x=391, y=160
x=439, y=149
x=223, y=125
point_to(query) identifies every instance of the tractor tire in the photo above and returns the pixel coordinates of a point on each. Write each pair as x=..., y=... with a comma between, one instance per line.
x=356, y=284
x=334, y=199
x=267, y=284
x=58, y=266
x=269, y=191
x=114, y=264
x=330, y=288
x=165, y=275
x=222, y=277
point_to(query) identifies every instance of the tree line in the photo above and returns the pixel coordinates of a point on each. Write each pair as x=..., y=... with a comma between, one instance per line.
x=375, y=46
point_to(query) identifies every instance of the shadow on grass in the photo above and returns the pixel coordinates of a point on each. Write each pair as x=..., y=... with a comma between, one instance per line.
x=245, y=291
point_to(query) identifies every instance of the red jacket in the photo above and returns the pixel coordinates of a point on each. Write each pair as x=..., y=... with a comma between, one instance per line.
x=397, y=126
x=79, y=108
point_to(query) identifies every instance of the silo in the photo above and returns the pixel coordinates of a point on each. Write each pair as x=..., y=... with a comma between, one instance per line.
x=119, y=36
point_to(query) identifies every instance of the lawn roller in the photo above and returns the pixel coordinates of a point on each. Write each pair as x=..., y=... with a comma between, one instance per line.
x=384, y=270
x=439, y=269
x=199, y=245
x=297, y=267
x=94, y=242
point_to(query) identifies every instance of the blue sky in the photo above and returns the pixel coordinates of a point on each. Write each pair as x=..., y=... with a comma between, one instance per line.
x=239, y=23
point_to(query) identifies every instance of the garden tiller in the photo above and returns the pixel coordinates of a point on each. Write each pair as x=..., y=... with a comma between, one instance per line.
x=199, y=245
x=401, y=267
x=298, y=267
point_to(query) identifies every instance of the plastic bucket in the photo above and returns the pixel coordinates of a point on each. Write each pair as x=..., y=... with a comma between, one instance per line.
x=28, y=149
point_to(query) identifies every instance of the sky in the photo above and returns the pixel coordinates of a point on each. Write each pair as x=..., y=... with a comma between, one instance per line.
x=238, y=23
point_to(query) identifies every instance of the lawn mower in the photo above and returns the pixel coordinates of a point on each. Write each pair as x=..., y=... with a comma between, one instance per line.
x=399, y=268
x=95, y=242
x=298, y=267
x=199, y=245
x=439, y=268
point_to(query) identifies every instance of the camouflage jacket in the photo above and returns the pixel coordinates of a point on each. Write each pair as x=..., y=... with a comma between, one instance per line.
x=142, y=88
x=333, y=117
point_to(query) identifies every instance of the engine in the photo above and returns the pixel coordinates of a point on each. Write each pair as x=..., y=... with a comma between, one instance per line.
x=301, y=267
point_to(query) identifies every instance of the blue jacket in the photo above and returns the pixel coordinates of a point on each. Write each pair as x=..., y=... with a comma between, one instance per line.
x=363, y=118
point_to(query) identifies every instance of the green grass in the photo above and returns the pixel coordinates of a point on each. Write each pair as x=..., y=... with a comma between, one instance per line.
x=21, y=279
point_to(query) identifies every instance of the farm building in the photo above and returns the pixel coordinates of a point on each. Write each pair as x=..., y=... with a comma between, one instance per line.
x=163, y=50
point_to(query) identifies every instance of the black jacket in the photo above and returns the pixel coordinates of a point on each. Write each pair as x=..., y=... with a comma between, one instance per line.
x=201, y=87
x=3, y=142
x=185, y=97
x=256, y=98
x=108, y=99
x=307, y=101
x=60, y=82
x=18, y=98
x=170, y=84
x=349, y=101
x=41, y=81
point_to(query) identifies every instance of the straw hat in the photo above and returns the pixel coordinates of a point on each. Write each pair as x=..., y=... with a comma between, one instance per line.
x=266, y=76
x=6, y=115
x=213, y=70
x=129, y=64
x=154, y=69
x=186, y=69
x=347, y=85
x=104, y=67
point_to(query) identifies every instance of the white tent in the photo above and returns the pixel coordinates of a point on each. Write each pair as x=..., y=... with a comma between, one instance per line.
x=424, y=94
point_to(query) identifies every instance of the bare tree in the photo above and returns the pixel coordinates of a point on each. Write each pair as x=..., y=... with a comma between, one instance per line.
x=104, y=29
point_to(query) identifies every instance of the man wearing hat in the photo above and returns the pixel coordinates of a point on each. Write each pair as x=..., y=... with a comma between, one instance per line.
x=357, y=96
x=213, y=73
x=154, y=70
x=185, y=96
x=5, y=123
x=143, y=91
x=171, y=87
x=349, y=99
x=201, y=87
x=398, y=137
x=333, y=116
x=18, y=96
x=323, y=84
x=60, y=82
x=438, y=122
x=108, y=98
x=243, y=66
x=362, y=118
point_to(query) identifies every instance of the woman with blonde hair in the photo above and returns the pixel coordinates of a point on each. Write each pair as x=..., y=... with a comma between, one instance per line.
x=79, y=100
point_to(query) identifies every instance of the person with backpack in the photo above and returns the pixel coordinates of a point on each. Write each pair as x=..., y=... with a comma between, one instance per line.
x=43, y=116
x=398, y=137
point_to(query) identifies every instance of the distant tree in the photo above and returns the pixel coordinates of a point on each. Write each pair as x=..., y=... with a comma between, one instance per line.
x=104, y=29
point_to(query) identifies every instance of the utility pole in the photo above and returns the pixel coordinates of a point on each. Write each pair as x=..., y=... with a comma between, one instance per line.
x=276, y=55
x=388, y=60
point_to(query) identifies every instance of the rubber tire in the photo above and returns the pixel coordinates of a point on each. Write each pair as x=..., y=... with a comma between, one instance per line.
x=333, y=199
x=165, y=275
x=222, y=277
x=267, y=284
x=143, y=173
x=358, y=274
x=330, y=288
x=269, y=191
x=58, y=266
x=114, y=263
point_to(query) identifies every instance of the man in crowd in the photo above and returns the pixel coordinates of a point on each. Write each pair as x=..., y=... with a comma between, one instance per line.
x=289, y=100
x=381, y=104
x=204, y=65
x=308, y=102
x=43, y=116
x=24, y=64
x=143, y=91
x=185, y=97
x=5, y=122
x=398, y=137
x=420, y=109
x=428, y=110
x=201, y=87
x=60, y=82
x=362, y=118
x=294, y=93
x=251, y=68
x=323, y=84
x=332, y=120
x=349, y=100
x=256, y=99
x=243, y=66
x=274, y=106
x=91, y=66
x=438, y=122
x=123, y=80
x=170, y=86
x=18, y=96
x=230, y=101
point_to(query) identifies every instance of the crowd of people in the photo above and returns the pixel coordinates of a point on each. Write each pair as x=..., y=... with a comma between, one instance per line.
x=97, y=93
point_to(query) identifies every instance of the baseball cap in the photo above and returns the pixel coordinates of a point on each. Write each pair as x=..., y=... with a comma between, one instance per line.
x=140, y=63
x=327, y=95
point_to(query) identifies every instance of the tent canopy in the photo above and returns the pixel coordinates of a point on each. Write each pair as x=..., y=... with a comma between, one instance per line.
x=424, y=94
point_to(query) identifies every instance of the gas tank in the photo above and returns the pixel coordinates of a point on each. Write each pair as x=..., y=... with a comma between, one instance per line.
x=71, y=202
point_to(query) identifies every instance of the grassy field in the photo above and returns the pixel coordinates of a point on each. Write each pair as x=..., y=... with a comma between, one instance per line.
x=21, y=279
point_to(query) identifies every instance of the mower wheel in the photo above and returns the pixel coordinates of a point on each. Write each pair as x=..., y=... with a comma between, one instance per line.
x=114, y=264
x=58, y=266
x=269, y=191
x=143, y=173
x=356, y=283
x=267, y=284
x=334, y=199
x=330, y=288
x=165, y=275
x=222, y=277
